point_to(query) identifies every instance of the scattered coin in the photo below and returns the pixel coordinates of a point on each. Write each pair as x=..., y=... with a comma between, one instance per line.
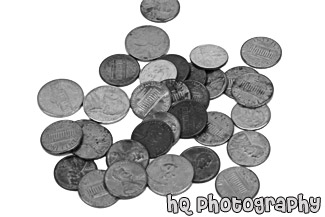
x=209, y=56
x=199, y=92
x=160, y=11
x=197, y=74
x=158, y=70
x=216, y=83
x=178, y=90
x=183, y=67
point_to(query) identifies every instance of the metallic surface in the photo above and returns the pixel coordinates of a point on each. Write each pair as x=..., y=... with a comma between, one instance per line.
x=197, y=74
x=209, y=56
x=178, y=90
x=216, y=83
x=158, y=70
x=160, y=11
x=183, y=67
x=199, y=92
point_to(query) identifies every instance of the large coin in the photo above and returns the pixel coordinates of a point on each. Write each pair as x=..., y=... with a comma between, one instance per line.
x=199, y=92
x=216, y=83
x=197, y=74
x=183, y=67
x=160, y=11
x=60, y=98
x=178, y=90
x=158, y=70
x=209, y=56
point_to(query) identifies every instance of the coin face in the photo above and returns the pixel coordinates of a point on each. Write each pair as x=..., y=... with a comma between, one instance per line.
x=218, y=130
x=238, y=182
x=147, y=43
x=150, y=97
x=160, y=11
x=178, y=90
x=261, y=52
x=119, y=70
x=60, y=98
x=216, y=83
x=209, y=56
x=248, y=148
x=61, y=137
x=158, y=70
x=251, y=119
x=199, y=92
x=106, y=104
x=205, y=161
x=252, y=90
x=197, y=74
x=69, y=171
x=183, y=67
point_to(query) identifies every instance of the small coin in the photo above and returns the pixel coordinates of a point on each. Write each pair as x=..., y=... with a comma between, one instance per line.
x=119, y=70
x=199, y=92
x=252, y=90
x=150, y=97
x=127, y=150
x=209, y=56
x=158, y=70
x=250, y=119
x=205, y=161
x=178, y=90
x=183, y=67
x=106, y=104
x=248, y=148
x=92, y=191
x=61, y=137
x=238, y=182
x=261, y=52
x=160, y=11
x=170, y=174
x=147, y=43
x=197, y=74
x=216, y=83
x=60, y=98
x=218, y=130
x=69, y=171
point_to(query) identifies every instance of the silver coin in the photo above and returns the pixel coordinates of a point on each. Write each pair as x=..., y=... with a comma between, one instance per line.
x=178, y=90
x=199, y=92
x=158, y=70
x=216, y=83
x=160, y=11
x=248, y=148
x=170, y=174
x=60, y=98
x=106, y=104
x=209, y=56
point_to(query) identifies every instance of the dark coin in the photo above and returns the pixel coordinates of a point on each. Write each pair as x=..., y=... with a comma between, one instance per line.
x=61, y=137
x=205, y=161
x=183, y=67
x=199, y=92
x=155, y=135
x=178, y=90
x=119, y=70
x=197, y=74
x=160, y=11
x=158, y=70
x=209, y=56
x=191, y=115
x=216, y=83
x=69, y=171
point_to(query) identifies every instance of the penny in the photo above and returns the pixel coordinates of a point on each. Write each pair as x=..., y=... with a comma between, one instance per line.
x=60, y=98
x=178, y=90
x=147, y=43
x=248, y=148
x=106, y=104
x=150, y=97
x=160, y=11
x=191, y=115
x=261, y=52
x=170, y=174
x=119, y=70
x=205, y=161
x=69, y=171
x=218, y=130
x=209, y=56
x=125, y=179
x=127, y=150
x=92, y=191
x=197, y=74
x=216, y=83
x=252, y=90
x=61, y=137
x=158, y=70
x=250, y=119
x=183, y=67
x=199, y=92
x=238, y=182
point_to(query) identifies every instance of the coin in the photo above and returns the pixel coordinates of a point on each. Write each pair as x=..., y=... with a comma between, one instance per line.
x=150, y=97
x=199, y=92
x=218, y=130
x=60, y=98
x=216, y=83
x=69, y=171
x=92, y=191
x=261, y=52
x=248, y=148
x=238, y=182
x=205, y=161
x=119, y=70
x=183, y=67
x=160, y=11
x=209, y=56
x=125, y=179
x=178, y=90
x=170, y=174
x=106, y=104
x=252, y=90
x=250, y=119
x=191, y=115
x=197, y=74
x=147, y=43
x=61, y=137
x=158, y=70
x=127, y=150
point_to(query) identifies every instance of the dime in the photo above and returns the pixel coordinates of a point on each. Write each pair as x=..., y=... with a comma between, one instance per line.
x=199, y=92
x=205, y=161
x=238, y=182
x=216, y=83
x=106, y=104
x=170, y=174
x=69, y=171
x=248, y=148
x=160, y=11
x=261, y=52
x=158, y=70
x=61, y=137
x=60, y=98
x=178, y=90
x=183, y=67
x=197, y=74
x=209, y=56
x=147, y=43
x=119, y=70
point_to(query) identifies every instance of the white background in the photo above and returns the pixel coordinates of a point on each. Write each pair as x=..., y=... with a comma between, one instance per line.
x=46, y=40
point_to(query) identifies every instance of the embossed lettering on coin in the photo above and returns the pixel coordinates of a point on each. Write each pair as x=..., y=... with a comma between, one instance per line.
x=209, y=56
x=199, y=92
x=183, y=67
x=158, y=70
x=160, y=11
x=216, y=83
x=178, y=90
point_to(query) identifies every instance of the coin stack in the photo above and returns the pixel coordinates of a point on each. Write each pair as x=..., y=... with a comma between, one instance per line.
x=172, y=100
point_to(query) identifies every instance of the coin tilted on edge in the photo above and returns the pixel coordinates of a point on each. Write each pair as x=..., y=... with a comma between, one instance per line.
x=209, y=56
x=183, y=67
x=158, y=70
x=160, y=11
x=216, y=83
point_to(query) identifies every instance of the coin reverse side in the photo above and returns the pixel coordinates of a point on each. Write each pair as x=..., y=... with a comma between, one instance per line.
x=178, y=90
